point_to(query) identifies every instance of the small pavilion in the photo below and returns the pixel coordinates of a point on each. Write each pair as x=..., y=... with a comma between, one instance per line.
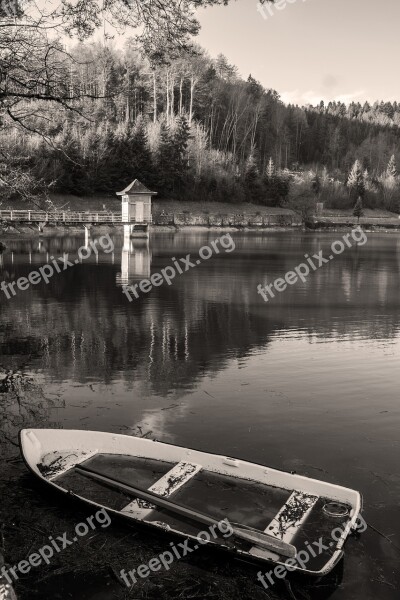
x=136, y=203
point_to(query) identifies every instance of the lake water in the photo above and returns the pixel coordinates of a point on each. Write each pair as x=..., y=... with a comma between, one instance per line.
x=308, y=382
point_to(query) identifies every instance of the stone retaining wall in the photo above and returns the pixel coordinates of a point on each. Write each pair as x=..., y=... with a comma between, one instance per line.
x=227, y=220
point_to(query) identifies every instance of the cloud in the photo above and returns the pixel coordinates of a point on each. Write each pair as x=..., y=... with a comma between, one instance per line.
x=312, y=97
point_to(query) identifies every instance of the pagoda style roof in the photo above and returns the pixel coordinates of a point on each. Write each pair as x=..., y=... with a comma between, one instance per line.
x=136, y=187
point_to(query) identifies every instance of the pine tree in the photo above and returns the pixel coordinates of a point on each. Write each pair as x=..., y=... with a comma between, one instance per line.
x=366, y=178
x=390, y=186
x=270, y=171
x=73, y=178
x=224, y=69
x=165, y=160
x=358, y=209
x=123, y=162
x=172, y=157
x=276, y=186
x=140, y=156
x=251, y=172
x=355, y=181
x=181, y=139
x=252, y=184
x=181, y=136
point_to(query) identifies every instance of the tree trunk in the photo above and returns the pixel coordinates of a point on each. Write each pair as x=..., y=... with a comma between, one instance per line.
x=192, y=86
x=154, y=98
x=167, y=111
x=172, y=97
x=180, y=96
x=127, y=111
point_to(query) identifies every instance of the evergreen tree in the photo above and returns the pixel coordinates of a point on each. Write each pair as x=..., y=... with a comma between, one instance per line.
x=367, y=180
x=270, y=171
x=358, y=209
x=225, y=70
x=389, y=182
x=165, y=160
x=73, y=172
x=252, y=184
x=251, y=172
x=172, y=156
x=117, y=169
x=180, y=146
x=141, y=161
x=127, y=157
x=355, y=181
x=276, y=186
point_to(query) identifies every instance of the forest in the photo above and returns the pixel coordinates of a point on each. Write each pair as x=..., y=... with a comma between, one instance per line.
x=190, y=127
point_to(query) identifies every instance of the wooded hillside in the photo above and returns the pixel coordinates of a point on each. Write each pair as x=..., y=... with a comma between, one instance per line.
x=191, y=127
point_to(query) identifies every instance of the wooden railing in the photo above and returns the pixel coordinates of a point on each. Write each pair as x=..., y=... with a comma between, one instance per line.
x=38, y=216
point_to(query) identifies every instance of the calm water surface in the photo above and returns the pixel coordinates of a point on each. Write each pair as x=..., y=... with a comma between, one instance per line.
x=308, y=382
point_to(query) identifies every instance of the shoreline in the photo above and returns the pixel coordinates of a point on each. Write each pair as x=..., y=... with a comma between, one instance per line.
x=62, y=231
x=77, y=231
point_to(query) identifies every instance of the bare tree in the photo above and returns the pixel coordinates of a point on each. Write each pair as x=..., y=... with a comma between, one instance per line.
x=34, y=64
x=36, y=69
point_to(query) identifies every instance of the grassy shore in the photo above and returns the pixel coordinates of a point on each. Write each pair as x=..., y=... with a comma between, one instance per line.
x=328, y=218
x=167, y=206
x=99, y=203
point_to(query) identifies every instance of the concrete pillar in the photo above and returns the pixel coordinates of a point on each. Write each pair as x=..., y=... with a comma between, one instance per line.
x=87, y=228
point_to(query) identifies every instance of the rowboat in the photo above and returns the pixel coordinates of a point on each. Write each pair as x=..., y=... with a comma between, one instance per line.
x=273, y=516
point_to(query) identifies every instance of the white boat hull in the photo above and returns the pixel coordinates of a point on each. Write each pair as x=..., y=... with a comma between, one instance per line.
x=292, y=506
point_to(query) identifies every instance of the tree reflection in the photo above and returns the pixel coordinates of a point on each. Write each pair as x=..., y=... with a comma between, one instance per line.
x=81, y=326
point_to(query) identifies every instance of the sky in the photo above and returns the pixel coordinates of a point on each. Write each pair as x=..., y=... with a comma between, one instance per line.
x=311, y=50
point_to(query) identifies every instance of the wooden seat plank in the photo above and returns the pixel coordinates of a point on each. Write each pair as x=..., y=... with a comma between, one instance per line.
x=288, y=520
x=180, y=474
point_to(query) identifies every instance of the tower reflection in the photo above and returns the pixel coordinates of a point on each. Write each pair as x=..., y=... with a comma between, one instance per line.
x=135, y=260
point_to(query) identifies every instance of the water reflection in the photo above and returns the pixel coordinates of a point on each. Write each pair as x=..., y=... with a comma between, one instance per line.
x=135, y=261
x=81, y=325
x=308, y=381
